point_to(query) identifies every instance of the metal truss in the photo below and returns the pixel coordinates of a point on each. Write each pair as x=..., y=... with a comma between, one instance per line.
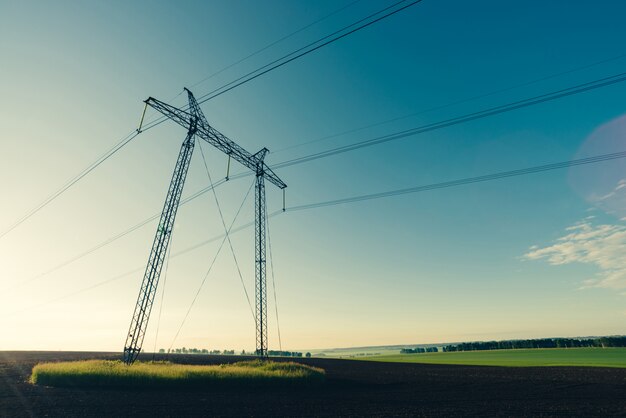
x=194, y=120
x=147, y=292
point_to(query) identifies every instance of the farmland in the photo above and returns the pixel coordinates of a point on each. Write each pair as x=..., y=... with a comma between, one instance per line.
x=351, y=388
x=588, y=357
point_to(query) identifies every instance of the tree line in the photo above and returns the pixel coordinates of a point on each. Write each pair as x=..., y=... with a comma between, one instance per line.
x=602, y=342
x=286, y=353
x=185, y=350
x=419, y=350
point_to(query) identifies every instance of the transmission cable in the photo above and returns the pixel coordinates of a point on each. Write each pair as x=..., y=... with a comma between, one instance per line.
x=77, y=292
x=230, y=243
x=285, y=59
x=467, y=180
x=569, y=91
x=455, y=103
x=71, y=182
x=208, y=271
x=422, y=188
x=158, y=121
x=141, y=268
x=591, y=85
x=111, y=239
x=296, y=54
x=258, y=51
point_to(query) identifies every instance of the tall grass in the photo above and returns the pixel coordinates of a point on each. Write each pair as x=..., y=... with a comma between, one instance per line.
x=116, y=373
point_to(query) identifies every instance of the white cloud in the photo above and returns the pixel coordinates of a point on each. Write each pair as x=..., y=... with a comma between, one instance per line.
x=601, y=245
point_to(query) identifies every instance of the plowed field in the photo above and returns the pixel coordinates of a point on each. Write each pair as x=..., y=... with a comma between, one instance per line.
x=352, y=388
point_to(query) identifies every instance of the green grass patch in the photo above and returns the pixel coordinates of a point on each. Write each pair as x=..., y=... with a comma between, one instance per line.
x=591, y=357
x=115, y=373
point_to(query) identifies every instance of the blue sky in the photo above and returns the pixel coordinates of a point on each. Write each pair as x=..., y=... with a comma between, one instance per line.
x=530, y=256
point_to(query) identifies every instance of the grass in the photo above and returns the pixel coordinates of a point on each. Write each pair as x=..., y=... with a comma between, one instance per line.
x=591, y=357
x=116, y=373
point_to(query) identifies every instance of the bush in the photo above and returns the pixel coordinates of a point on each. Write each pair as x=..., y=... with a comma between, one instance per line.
x=116, y=373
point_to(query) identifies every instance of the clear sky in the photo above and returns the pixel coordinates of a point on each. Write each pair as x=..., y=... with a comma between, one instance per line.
x=532, y=256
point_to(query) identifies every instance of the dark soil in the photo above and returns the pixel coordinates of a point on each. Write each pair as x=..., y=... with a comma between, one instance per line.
x=352, y=388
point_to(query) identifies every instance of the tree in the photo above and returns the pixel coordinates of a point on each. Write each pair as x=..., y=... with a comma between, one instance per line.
x=308, y=355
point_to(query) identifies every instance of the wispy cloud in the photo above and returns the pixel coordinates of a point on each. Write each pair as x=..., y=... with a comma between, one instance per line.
x=613, y=202
x=602, y=245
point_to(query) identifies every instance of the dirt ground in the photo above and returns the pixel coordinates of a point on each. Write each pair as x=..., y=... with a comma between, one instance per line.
x=352, y=388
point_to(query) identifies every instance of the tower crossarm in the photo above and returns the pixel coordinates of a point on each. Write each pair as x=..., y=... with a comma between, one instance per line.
x=214, y=137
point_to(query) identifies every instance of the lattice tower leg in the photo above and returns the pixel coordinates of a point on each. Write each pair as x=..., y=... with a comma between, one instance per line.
x=147, y=292
x=260, y=271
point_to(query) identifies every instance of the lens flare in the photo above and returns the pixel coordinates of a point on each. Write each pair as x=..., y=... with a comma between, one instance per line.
x=603, y=185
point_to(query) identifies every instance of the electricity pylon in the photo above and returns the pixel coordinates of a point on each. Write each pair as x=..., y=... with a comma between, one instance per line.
x=196, y=124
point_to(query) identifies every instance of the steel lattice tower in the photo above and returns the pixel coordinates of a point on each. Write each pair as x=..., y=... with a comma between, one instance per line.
x=260, y=260
x=196, y=124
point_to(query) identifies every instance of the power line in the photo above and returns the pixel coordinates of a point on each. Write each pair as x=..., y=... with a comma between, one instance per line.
x=71, y=182
x=243, y=80
x=258, y=51
x=226, y=234
x=111, y=239
x=391, y=193
x=285, y=59
x=193, y=301
x=465, y=181
x=227, y=87
x=458, y=102
x=569, y=91
x=292, y=56
x=78, y=292
x=231, y=231
x=554, y=95
x=492, y=111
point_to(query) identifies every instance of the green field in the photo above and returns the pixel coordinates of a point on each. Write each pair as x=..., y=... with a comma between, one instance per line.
x=116, y=373
x=593, y=357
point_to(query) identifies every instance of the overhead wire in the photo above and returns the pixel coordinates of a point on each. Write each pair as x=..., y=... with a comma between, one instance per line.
x=294, y=55
x=492, y=111
x=193, y=301
x=507, y=107
x=266, y=47
x=77, y=292
x=227, y=87
x=466, y=180
x=70, y=182
x=421, y=188
x=189, y=249
x=312, y=47
x=393, y=192
x=451, y=104
x=230, y=243
x=110, y=240
x=386, y=138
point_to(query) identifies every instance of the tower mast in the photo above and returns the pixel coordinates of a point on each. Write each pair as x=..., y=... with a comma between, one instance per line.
x=196, y=124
